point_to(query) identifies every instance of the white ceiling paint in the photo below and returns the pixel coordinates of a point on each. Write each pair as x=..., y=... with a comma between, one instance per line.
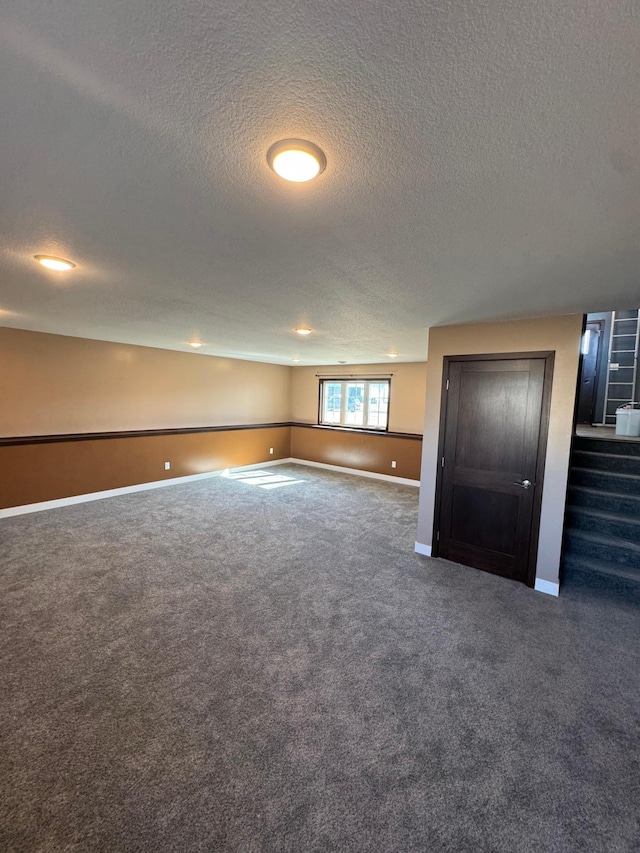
x=483, y=162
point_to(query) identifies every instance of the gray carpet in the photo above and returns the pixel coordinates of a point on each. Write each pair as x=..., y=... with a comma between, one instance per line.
x=221, y=666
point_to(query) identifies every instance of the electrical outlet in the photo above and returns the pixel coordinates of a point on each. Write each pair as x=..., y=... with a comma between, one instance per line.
x=167, y=466
x=393, y=464
x=271, y=450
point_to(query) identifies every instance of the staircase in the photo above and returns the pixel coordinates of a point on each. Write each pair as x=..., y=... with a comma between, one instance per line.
x=602, y=521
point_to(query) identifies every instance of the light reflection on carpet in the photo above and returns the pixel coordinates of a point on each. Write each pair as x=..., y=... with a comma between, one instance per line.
x=263, y=479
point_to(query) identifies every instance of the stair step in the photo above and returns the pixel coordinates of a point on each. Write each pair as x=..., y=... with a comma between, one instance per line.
x=614, y=462
x=607, y=548
x=624, y=446
x=606, y=524
x=627, y=484
x=598, y=572
x=584, y=496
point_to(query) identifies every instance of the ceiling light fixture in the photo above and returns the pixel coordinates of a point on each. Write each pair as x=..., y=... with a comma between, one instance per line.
x=296, y=160
x=302, y=330
x=52, y=263
x=195, y=344
x=392, y=355
x=295, y=360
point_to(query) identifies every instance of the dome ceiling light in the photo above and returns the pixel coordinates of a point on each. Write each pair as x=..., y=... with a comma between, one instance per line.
x=53, y=263
x=296, y=160
x=302, y=330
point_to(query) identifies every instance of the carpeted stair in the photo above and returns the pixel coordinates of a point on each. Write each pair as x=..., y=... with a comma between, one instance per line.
x=602, y=522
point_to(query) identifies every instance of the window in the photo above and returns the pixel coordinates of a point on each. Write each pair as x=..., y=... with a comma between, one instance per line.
x=358, y=403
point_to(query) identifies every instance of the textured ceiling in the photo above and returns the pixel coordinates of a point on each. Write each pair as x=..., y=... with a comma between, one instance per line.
x=483, y=162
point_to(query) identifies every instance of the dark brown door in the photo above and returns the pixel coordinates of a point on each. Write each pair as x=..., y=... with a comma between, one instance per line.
x=494, y=428
x=589, y=373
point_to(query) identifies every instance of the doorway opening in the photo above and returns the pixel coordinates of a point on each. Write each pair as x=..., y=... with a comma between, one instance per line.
x=608, y=377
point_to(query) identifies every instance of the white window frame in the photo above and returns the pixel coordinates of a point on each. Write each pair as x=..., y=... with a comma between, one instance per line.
x=345, y=381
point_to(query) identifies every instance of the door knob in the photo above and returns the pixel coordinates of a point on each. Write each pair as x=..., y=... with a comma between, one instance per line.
x=525, y=484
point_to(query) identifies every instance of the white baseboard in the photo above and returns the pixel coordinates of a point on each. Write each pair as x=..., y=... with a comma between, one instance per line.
x=425, y=550
x=404, y=481
x=547, y=587
x=127, y=490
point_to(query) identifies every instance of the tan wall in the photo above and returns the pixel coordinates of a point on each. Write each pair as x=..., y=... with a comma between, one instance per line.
x=50, y=384
x=56, y=385
x=560, y=334
x=360, y=450
x=51, y=470
x=406, y=409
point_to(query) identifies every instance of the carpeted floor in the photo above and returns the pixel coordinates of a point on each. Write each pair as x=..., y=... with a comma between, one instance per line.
x=222, y=666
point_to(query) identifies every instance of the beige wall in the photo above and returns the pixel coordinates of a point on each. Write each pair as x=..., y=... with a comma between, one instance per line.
x=560, y=334
x=50, y=384
x=406, y=409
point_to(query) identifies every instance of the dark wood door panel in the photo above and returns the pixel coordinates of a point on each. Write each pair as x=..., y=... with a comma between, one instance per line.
x=492, y=438
x=492, y=407
x=484, y=519
x=479, y=558
x=589, y=373
x=486, y=529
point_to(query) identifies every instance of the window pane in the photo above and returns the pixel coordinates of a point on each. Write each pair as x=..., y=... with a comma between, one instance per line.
x=332, y=402
x=378, y=405
x=354, y=410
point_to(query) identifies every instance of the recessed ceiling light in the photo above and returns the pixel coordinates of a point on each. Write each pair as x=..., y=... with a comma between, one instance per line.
x=51, y=263
x=302, y=330
x=295, y=360
x=392, y=355
x=195, y=344
x=296, y=160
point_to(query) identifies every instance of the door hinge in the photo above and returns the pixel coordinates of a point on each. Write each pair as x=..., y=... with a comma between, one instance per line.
x=442, y=462
x=447, y=388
